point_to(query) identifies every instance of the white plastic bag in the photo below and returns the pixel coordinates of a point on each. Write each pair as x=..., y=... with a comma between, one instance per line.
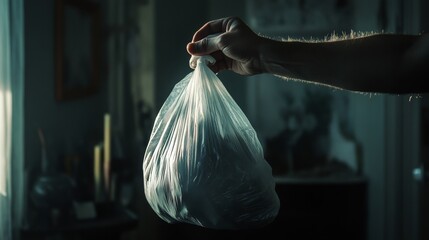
x=204, y=164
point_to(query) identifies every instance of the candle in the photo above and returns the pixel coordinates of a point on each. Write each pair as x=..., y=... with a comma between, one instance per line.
x=106, y=151
x=97, y=172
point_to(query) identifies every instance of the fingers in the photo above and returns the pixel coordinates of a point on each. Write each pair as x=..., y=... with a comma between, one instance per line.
x=206, y=39
x=212, y=39
x=215, y=27
x=202, y=44
x=203, y=47
x=212, y=27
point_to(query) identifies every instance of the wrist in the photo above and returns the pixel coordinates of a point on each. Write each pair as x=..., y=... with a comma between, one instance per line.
x=265, y=51
x=274, y=55
x=284, y=58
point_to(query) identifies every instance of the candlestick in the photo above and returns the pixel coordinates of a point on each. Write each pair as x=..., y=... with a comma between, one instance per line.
x=97, y=173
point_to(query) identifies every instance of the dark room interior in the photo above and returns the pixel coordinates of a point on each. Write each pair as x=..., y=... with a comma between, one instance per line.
x=83, y=81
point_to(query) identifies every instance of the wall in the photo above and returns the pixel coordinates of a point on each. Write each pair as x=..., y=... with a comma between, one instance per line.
x=371, y=131
x=67, y=125
x=175, y=24
x=386, y=127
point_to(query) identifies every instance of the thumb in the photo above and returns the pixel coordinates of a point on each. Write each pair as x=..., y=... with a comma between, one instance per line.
x=204, y=46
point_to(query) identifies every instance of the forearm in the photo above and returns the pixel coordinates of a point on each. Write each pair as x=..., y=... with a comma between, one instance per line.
x=366, y=64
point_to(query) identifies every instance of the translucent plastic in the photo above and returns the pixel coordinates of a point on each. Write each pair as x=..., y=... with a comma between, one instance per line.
x=204, y=164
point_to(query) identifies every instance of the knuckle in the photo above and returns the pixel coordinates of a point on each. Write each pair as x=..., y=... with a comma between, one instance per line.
x=223, y=41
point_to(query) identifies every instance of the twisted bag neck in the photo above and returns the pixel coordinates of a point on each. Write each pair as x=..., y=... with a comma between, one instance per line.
x=207, y=60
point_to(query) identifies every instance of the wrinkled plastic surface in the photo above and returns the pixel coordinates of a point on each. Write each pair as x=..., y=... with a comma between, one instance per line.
x=204, y=164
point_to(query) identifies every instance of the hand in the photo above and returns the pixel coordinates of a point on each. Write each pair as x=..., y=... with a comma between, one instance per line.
x=235, y=46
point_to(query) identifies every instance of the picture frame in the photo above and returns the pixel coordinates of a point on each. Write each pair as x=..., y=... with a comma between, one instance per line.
x=77, y=59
